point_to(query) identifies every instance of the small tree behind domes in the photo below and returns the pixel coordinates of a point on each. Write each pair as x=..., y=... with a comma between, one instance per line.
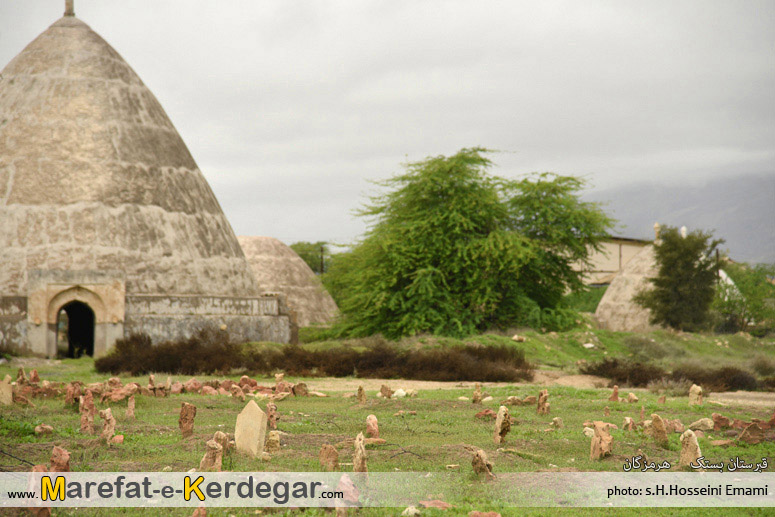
x=684, y=287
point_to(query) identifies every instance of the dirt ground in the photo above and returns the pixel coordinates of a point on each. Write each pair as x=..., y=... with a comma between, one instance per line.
x=542, y=378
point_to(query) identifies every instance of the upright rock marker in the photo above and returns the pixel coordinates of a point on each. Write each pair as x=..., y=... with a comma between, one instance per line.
x=250, y=430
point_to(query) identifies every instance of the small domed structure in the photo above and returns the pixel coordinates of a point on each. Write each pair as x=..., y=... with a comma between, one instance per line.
x=279, y=269
x=104, y=215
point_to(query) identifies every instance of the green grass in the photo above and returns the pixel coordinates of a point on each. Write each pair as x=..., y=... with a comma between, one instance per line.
x=436, y=436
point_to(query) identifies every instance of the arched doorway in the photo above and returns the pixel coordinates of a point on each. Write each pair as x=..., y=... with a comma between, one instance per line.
x=75, y=330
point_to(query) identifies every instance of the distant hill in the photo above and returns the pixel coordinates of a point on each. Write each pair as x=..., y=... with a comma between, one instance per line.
x=740, y=210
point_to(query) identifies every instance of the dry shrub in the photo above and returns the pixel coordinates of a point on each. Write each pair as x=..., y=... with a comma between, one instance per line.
x=210, y=351
x=726, y=378
x=763, y=365
x=670, y=386
x=623, y=372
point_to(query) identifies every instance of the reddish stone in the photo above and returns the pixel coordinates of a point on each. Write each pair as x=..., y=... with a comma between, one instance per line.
x=60, y=460
x=192, y=386
x=487, y=413
x=208, y=390
x=720, y=422
x=435, y=503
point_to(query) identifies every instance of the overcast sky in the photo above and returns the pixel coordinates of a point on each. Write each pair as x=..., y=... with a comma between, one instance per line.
x=290, y=107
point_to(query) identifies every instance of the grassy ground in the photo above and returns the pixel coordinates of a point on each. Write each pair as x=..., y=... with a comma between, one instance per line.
x=563, y=350
x=437, y=436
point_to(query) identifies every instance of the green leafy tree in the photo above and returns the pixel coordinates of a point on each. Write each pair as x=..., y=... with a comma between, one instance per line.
x=683, y=290
x=317, y=255
x=748, y=304
x=452, y=250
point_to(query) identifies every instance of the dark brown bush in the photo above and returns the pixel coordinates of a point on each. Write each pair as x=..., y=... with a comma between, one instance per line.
x=716, y=379
x=629, y=373
x=211, y=351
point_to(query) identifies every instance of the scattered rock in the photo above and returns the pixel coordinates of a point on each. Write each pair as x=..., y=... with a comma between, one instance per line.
x=372, y=427
x=237, y=393
x=43, y=429
x=329, y=458
x=752, y=434
x=502, y=425
x=108, y=425
x=632, y=398
x=464, y=399
x=695, y=395
x=411, y=511
x=487, y=399
x=300, y=390
x=722, y=443
x=476, y=398
x=386, y=392
x=658, y=430
x=518, y=338
x=543, y=403
x=411, y=392
x=557, y=422
x=272, y=415
x=607, y=411
x=130, y=407
x=118, y=439
x=72, y=392
x=476, y=513
x=529, y=401
x=615, y=395
x=589, y=432
x=435, y=503
x=703, y=424
x=602, y=441
x=21, y=377
x=359, y=455
x=720, y=422
x=176, y=388
x=222, y=439
x=60, y=460
x=453, y=466
x=208, y=390
x=588, y=345
x=272, y=442
x=361, y=395
x=399, y=393
x=192, y=386
x=642, y=414
x=34, y=378
x=186, y=419
x=661, y=400
x=673, y=426
x=629, y=424
x=486, y=413
x=690, y=449
x=250, y=430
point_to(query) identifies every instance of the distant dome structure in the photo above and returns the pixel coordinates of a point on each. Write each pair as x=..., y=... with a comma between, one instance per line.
x=617, y=311
x=104, y=215
x=279, y=269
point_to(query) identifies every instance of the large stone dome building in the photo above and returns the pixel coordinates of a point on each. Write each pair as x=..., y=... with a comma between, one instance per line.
x=104, y=215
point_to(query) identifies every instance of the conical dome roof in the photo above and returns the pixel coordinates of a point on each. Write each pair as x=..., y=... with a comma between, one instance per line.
x=94, y=176
x=280, y=269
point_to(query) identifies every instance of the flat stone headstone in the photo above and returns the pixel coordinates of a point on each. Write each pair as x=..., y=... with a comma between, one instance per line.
x=250, y=430
x=6, y=393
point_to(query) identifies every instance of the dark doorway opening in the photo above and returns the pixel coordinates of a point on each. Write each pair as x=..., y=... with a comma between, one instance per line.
x=75, y=330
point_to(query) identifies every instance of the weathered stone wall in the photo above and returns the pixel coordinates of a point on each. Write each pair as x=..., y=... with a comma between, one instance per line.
x=13, y=322
x=246, y=319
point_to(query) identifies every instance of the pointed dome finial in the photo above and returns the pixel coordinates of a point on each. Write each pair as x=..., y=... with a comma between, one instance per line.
x=69, y=8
